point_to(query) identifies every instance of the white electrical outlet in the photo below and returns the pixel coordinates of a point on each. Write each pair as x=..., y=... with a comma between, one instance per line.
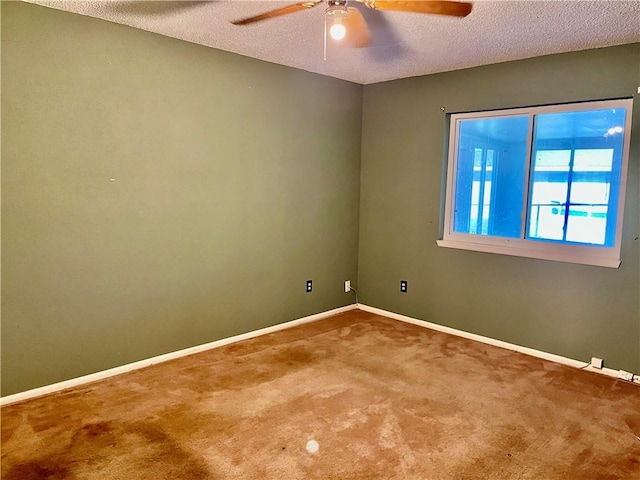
x=347, y=286
x=628, y=376
x=596, y=362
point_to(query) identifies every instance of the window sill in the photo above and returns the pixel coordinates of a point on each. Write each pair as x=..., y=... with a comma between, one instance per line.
x=556, y=256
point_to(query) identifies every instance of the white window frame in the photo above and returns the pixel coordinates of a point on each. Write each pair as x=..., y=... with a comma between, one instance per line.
x=583, y=254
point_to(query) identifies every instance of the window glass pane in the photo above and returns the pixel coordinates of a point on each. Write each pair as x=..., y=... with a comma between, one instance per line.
x=490, y=176
x=575, y=176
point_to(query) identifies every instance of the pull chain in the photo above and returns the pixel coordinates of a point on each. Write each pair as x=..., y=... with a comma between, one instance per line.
x=325, y=38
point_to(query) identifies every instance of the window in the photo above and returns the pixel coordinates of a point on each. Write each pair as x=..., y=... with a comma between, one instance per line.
x=542, y=182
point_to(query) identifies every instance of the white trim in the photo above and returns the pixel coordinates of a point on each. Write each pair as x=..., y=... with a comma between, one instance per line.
x=492, y=341
x=563, y=251
x=549, y=254
x=94, y=377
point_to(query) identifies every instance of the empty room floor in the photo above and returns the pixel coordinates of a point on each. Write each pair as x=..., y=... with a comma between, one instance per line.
x=354, y=396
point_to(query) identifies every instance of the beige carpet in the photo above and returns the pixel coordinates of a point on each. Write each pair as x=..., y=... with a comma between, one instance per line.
x=381, y=398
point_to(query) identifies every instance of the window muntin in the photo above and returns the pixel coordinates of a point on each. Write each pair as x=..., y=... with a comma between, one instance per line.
x=545, y=179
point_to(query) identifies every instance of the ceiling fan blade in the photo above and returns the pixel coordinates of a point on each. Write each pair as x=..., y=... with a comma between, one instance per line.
x=278, y=12
x=358, y=34
x=386, y=45
x=436, y=7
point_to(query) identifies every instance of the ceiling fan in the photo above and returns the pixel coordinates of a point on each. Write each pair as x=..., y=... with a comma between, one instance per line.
x=345, y=22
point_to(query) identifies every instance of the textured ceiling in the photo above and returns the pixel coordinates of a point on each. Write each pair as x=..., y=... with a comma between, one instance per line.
x=405, y=44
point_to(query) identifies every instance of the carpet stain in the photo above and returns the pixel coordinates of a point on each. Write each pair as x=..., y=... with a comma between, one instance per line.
x=153, y=446
x=98, y=434
x=45, y=469
x=633, y=422
x=296, y=356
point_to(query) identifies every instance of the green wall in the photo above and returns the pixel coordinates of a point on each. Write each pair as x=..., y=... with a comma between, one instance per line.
x=234, y=181
x=572, y=310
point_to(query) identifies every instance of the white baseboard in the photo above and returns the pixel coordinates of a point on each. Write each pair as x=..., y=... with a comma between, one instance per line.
x=492, y=341
x=74, y=382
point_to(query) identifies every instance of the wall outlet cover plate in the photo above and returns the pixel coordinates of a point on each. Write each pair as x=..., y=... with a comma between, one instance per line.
x=596, y=362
